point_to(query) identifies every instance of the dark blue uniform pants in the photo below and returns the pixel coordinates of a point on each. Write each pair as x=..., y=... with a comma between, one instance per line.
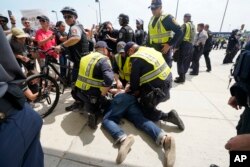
x=185, y=57
x=19, y=139
x=168, y=57
x=243, y=126
x=196, y=59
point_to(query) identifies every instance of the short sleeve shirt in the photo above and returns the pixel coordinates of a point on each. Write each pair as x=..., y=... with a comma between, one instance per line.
x=75, y=31
x=41, y=35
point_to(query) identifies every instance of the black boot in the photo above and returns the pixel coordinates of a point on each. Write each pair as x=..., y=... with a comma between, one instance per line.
x=92, y=120
x=174, y=118
x=180, y=79
x=75, y=105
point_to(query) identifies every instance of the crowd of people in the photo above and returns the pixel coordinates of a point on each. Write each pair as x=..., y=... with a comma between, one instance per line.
x=134, y=67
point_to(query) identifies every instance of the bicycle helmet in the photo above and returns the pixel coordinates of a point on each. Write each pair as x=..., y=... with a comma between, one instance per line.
x=70, y=10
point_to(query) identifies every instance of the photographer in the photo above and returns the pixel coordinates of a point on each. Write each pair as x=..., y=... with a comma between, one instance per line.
x=108, y=34
x=20, y=125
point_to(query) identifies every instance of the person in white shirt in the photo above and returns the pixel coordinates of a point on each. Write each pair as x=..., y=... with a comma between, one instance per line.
x=199, y=43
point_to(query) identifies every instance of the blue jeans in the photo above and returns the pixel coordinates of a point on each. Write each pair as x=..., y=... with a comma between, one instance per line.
x=63, y=62
x=19, y=139
x=125, y=105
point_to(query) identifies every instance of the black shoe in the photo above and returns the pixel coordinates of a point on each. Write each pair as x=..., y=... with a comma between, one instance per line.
x=92, y=121
x=213, y=165
x=73, y=106
x=174, y=118
x=193, y=73
x=179, y=80
x=208, y=70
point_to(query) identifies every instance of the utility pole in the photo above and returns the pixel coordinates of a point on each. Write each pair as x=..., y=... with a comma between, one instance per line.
x=176, y=12
x=53, y=11
x=98, y=1
x=224, y=15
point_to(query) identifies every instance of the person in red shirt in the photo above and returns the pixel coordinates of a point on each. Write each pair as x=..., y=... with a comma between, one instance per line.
x=45, y=38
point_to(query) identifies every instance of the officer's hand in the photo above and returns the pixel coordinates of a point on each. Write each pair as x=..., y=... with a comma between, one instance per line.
x=233, y=103
x=165, y=48
x=239, y=143
x=119, y=84
x=127, y=87
x=57, y=48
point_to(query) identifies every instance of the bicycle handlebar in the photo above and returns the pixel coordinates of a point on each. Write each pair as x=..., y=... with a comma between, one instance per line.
x=40, y=50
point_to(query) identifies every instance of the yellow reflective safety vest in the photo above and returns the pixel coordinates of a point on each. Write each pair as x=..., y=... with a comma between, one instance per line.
x=190, y=32
x=153, y=57
x=85, y=78
x=124, y=72
x=158, y=34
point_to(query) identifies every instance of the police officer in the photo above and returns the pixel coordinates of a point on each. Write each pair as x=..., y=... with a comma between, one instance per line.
x=126, y=33
x=160, y=31
x=140, y=34
x=185, y=49
x=208, y=47
x=20, y=125
x=151, y=79
x=76, y=44
x=121, y=74
x=240, y=91
x=95, y=78
x=232, y=47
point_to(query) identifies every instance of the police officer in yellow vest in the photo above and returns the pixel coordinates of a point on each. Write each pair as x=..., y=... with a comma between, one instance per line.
x=119, y=67
x=150, y=80
x=185, y=49
x=160, y=31
x=95, y=78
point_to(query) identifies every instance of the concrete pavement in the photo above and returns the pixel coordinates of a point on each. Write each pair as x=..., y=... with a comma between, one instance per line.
x=201, y=102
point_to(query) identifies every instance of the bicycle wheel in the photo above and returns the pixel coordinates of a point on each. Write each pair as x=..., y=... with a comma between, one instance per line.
x=48, y=93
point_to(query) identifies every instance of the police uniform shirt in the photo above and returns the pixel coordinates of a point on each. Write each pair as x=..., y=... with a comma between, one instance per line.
x=82, y=47
x=139, y=37
x=138, y=69
x=169, y=23
x=102, y=70
x=126, y=34
x=75, y=31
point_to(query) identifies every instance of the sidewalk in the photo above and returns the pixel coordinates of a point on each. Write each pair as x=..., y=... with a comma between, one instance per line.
x=201, y=102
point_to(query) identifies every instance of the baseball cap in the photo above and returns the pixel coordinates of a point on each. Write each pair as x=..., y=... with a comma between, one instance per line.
x=102, y=44
x=43, y=17
x=155, y=4
x=19, y=33
x=120, y=47
x=187, y=15
x=128, y=46
x=4, y=18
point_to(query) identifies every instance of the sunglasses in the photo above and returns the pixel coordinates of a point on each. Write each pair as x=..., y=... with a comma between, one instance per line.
x=41, y=20
x=2, y=21
x=26, y=22
x=67, y=16
x=154, y=8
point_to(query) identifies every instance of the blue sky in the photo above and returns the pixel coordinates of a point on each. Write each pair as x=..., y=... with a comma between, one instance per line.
x=206, y=11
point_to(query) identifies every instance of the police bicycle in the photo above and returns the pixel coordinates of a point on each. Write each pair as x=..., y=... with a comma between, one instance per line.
x=46, y=86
